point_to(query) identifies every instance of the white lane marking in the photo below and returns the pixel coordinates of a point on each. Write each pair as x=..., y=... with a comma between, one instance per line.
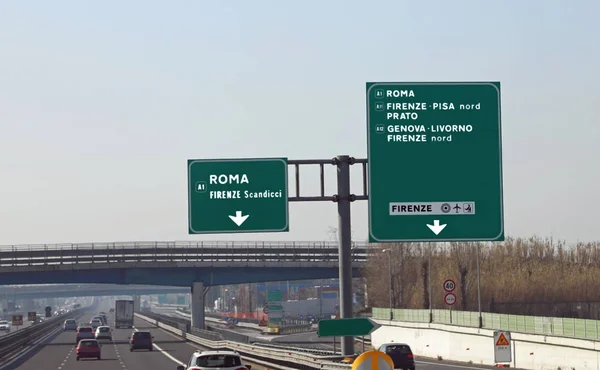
x=165, y=353
x=450, y=365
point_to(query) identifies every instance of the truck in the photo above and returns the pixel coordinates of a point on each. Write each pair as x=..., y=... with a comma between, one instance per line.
x=124, y=314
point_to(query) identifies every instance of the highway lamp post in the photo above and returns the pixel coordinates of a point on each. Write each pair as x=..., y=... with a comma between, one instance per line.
x=429, y=283
x=479, y=287
x=389, y=251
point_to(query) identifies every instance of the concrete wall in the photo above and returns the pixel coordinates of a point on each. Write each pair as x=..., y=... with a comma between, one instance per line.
x=530, y=351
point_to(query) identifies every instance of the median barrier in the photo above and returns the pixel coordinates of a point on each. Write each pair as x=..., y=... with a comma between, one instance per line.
x=12, y=344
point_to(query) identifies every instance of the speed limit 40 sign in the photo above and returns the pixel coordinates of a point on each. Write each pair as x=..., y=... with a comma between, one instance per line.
x=449, y=286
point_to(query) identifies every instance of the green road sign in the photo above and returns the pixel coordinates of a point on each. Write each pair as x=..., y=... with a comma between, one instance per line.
x=435, y=161
x=237, y=195
x=274, y=296
x=346, y=327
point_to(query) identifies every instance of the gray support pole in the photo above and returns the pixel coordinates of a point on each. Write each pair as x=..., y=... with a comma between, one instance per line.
x=345, y=247
x=197, y=305
x=390, y=287
x=429, y=283
x=479, y=288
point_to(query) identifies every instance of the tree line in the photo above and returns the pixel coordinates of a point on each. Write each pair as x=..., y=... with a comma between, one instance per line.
x=535, y=276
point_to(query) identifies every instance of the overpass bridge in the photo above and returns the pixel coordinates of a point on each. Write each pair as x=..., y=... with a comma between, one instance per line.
x=84, y=290
x=178, y=264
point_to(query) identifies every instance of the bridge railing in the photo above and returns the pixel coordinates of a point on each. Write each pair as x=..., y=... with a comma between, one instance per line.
x=311, y=245
x=174, y=252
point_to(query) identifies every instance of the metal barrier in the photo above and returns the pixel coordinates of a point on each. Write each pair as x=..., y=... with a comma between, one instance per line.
x=11, y=343
x=272, y=357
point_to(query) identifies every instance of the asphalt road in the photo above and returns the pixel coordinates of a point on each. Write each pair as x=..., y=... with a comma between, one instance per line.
x=169, y=352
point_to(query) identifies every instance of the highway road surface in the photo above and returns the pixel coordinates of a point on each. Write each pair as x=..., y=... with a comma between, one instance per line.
x=169, y=352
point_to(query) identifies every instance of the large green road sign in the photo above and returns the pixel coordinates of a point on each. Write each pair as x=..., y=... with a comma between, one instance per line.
x=435, y=161
x=237, y=195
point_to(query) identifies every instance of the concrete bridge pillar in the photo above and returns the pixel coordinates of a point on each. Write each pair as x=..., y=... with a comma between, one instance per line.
x=137, y=303
x=198, y=293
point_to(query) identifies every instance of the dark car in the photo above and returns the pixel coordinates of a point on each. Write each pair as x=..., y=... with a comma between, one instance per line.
x=401, y=354
x=140, y=340
x=85, y=332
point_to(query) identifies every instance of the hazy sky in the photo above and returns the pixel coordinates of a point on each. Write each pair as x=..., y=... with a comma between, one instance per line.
x=101, y=105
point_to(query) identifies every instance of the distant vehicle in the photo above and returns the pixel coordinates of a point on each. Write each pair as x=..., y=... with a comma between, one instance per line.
x=101, y=313
x=140, y=340
x=89, y=348
x=401, y=354
x=111, y=310
x=70, y=324
x=85, y=332
x=124, y=314
x=104, y=332
x=95, y=323
x=222, y=360
x=4, y=326
x=48, y=311
x=99, y=318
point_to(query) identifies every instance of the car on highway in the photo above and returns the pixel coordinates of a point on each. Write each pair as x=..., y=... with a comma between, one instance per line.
x=4, y=326
x=70, y=324
x=104, y=332
x=102, y=321
x=89, y=348
x=211, y=360
x=95, y=323
x=85, y=332
x=140, y=340
x=112, y=310
x=400, y=353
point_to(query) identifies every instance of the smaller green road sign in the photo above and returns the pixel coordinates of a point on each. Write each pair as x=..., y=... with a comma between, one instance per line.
x=346, y=327
x=237, y=195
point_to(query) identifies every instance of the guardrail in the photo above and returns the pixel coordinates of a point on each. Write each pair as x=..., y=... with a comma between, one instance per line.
x=556, y=326
x=273, y=357
x=140, y=252
x=11, y=343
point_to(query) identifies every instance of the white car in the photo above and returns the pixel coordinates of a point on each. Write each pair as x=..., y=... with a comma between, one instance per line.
x=103, y=332
x=4, y=326
x=213, y=360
